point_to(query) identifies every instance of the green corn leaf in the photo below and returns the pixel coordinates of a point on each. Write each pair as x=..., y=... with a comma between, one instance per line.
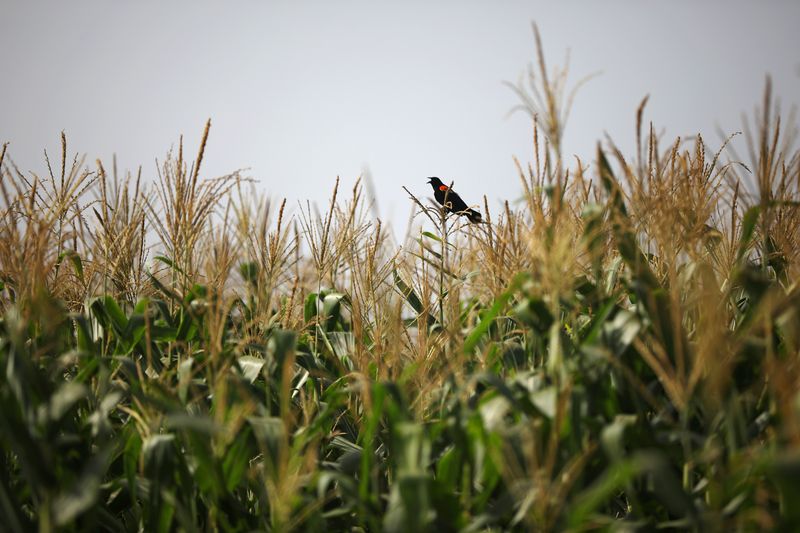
x=65, y=397
x=251, y=367
x=310, y=307
x=499, y=304
x=408, y=293
x=75, y=260
x=82, y=493
x=331, y=309
x=249, y=272
x=748, y=229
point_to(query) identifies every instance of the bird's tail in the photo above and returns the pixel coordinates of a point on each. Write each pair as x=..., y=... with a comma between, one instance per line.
x=474, y=216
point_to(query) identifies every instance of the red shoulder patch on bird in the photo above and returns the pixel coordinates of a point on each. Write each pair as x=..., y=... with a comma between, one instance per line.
x=442, y=187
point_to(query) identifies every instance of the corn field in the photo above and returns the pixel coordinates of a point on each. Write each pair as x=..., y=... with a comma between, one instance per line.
x=615, y=348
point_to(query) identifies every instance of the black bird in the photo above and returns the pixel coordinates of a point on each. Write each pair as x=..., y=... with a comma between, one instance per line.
x=454, y=202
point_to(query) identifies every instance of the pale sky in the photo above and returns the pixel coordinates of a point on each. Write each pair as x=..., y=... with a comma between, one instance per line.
x=300, y=92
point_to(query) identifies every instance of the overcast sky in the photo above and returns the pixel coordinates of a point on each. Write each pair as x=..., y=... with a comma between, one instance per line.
x=300, y=92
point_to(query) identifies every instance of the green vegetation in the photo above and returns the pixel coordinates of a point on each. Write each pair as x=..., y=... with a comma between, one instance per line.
x=617, y=350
